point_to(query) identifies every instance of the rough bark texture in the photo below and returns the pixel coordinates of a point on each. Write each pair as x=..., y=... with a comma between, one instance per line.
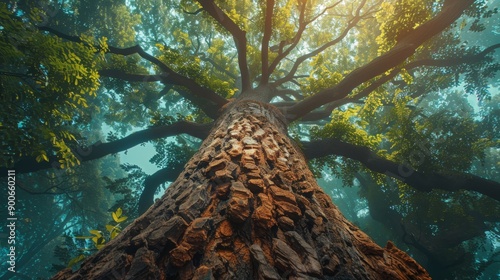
x=246, y=207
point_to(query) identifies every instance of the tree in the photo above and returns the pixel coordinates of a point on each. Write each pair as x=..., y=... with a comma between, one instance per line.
x=246, y=204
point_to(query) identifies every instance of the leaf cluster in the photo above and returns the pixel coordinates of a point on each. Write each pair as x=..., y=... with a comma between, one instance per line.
x=47, y=88
x=192, y=67
x=98, y=238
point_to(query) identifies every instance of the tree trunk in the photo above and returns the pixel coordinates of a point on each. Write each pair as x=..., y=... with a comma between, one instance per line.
x=246, y=207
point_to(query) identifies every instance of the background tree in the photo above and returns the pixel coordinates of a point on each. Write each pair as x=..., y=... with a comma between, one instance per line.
x=423, y=159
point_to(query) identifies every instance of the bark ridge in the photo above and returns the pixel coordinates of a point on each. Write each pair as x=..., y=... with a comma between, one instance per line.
x=246, y=206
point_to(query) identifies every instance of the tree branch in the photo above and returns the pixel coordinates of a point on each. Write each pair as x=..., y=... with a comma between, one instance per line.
x=207, y=108
x=171, y=76
x=422, y=181
x=303, y=58
x=302, y=27
x=325, y=113
x=98, y=150
x=239, y=37
x=300, y=60
x=152, y=182
x=469, y=59
x=398, y=54
x=268, y=28
x=294, y=41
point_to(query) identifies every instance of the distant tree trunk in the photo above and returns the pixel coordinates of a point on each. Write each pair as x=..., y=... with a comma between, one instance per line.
x=246, y=206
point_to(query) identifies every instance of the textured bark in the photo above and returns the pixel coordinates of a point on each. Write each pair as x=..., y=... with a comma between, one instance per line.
x=246, y=207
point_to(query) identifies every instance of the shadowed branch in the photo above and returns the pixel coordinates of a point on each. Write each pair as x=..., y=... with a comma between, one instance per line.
x=98, y=150
x=168, y=76
x=239, y=37
x=449, y=62
x=268, y=28
x=422, y=181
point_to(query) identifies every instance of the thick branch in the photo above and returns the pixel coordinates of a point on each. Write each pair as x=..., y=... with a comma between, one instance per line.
x=239, y=37
x=189, y=83
x=171, y=76
x=398, y=54
x=268, y=28
x=469, y=59
x=326, y=112
x=98, y=150
x=422, y=181
x=207, y=108
x=152, y=182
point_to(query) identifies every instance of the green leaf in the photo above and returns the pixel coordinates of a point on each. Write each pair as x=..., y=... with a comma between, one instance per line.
x=110, y=228
x=122, y=219
x=96, y=232
x=115, y=217
x=119, y=212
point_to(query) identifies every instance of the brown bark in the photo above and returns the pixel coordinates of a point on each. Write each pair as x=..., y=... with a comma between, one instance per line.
x=246, y=207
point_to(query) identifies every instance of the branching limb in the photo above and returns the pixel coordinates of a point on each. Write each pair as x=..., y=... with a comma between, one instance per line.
x=398, y=54
x=327, y=110
x=469, y=59
x=352, y=23
x=170, y=75
x=178, y=79
x=218, y=66
x=98, y=150
x=293, y=42
x=268, y=28
x=239, y=37
x=422, y=181
x=207, y=108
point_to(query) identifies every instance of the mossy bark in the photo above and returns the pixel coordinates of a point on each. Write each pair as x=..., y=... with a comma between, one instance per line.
x=246, y=206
